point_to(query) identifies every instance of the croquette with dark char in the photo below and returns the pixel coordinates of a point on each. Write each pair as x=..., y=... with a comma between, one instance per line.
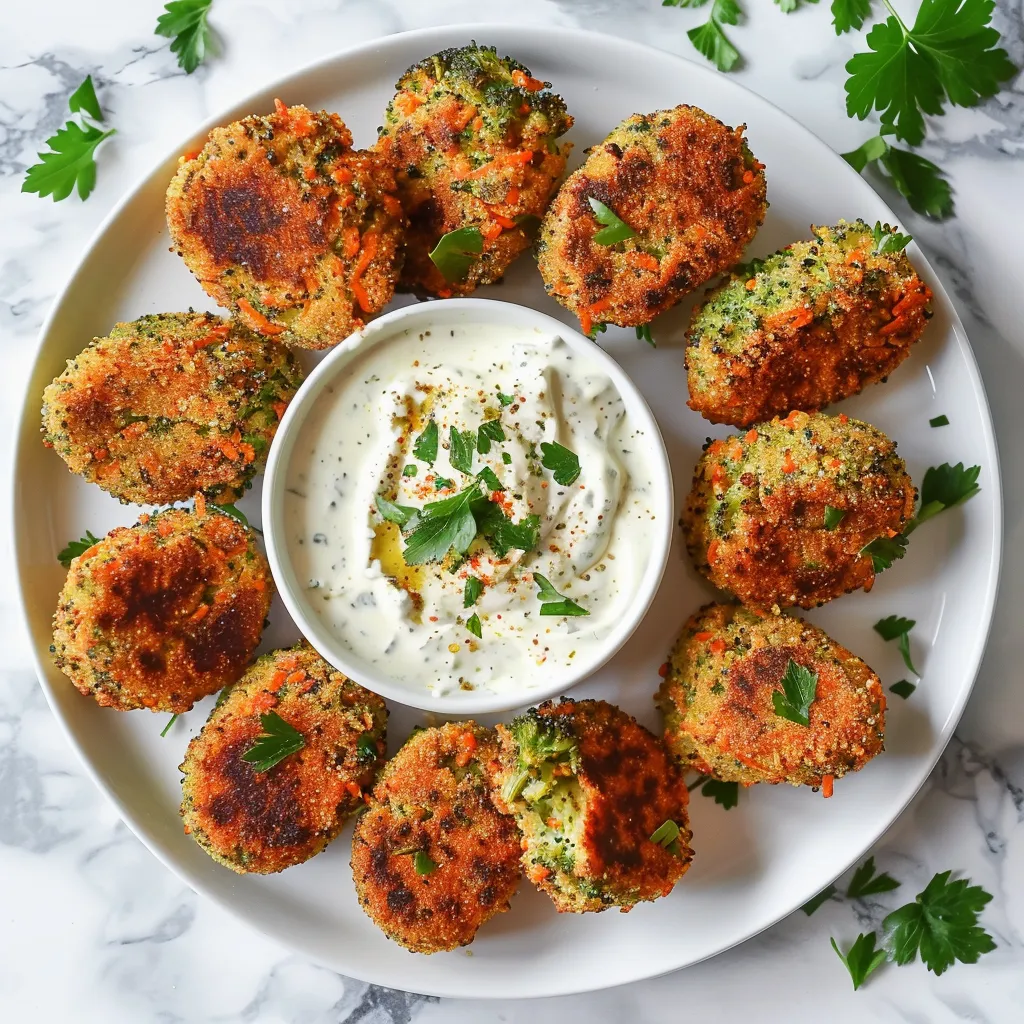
x=780, y=515
x=433, y=858
x=590, y=787
x=812, y=324
x=264, y=821
x=472, y=140
x=284, y=223
x=168, y=405
x=688, y=187
x=720, y=716
x=164, y=613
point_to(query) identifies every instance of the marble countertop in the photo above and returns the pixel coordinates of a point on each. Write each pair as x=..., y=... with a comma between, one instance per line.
x=93, y=928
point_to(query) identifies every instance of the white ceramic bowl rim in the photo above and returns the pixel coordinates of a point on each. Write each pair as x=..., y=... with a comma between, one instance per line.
x=436, y=316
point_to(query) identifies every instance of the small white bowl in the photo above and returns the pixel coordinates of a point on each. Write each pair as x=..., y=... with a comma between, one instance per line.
x=437, y=317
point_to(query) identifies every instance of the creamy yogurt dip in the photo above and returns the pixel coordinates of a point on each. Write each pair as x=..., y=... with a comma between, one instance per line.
x=378, y=446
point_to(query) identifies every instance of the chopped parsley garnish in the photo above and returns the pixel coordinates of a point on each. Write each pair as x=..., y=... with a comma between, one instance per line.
x=410, y=470
x=502, y=534
x=866, y=883
x=422, y=864
x=76, y=548
x=643, y=333
x=564, y=464
x=167, y=728
x=460, y=449
x=277, y=740
x=615, y=229
x=506, y=458
x=425, y=446
x=939, y=421
x=667, y=835
x=887, y=239
x=709, y=39
x=552, y=602
x=83, y=100
x=401, y=514
x=490, y=479
x=442, y=482
x=904, y=688
x=918, y=180
x=490, y=430
x=506, y=399
x=725, y=794
x=816, y=901
x=454, y=253
x=597, y=329
x=833, y=517
x=366, y=747
x=862, y=958
x=799, y=689
x=894, y=627
x=185, y=23
x=471, y=594
x=473, y=625
x=883, y=551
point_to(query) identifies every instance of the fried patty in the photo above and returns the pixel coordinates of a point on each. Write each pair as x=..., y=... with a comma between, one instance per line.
x=718, y=700
x=590, y=788
x=262, y=821
x=284, y=223
x=432, y=857
x=168, y=405
x=810, y=325
x=781, y=515
x=472, y=140
x=690, y=190
x=164, y=613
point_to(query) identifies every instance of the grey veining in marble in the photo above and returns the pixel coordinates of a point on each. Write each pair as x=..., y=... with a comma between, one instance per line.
x=94, y=929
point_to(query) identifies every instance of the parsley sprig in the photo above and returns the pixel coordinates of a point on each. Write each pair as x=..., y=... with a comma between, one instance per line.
x=552, y=602
x=76, y=548
x=799, y=689
x=709, y=39
x=70, y=163
x=615, y=228
x=185, y=22
x=725, y=794
x=895, y=627
x=277, y=740
x=455, y=252
x=563, y=463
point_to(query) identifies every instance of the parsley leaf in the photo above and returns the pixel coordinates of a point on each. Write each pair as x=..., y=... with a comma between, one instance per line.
x=709, y=39
x=564, y=464
x=506, y=399
x=401, y=514
x=939, y=421
x=833, y=517
x=947, y=485
x=490, y=430
x=441, y=526
x=502, y=534
x=490, y=479
x=410, y=470
x=167, y=728
x=816, y=901
x=861, y=959
x=725, y=794
x=473, y=625
x=942, y=923
x=552, y=602
x=185, y=23
x=366, y=748
x=84, y=99
x=894, y=627
x=883, y=551
x=666, y=835
x=799, y=688
x=440, y=482
x=615, y=229
x=425, y=446
x=643, y=333
x=422, y=864
x=454, y=253
x=277, y=740
x=474, y=588
x=69, y=165
x=903, y=688
x=76, y=548
x=948, y=54
x=460, y=449
x=866, y=883
x=848, y=14
x=788, y=6
x=887, y=239
x=918, y=180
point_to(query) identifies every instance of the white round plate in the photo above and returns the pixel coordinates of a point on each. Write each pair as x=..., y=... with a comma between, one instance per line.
x=754, y=864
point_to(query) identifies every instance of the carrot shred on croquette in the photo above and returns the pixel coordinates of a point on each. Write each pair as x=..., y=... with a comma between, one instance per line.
x=713, y=550
x=280, y=107
x=490, y=229
x=227, y=449
x=750, y=437
x=506, y=222
x=297, y=676
x=365, y=258
x=586, y=321
x=262, y=324
x=217, y=334
x=643, y=260
x=512, y=196
x=407, y=102
x=463, y=118
x=792, y=420
x=391, y=205
x=702, y=636
x=538, y=873
x=911, y=302
x=717, y=646
x=788, y=465
x=827, y=781
x=164, y=528
x=342, y=175
x=191, y=154
x=527, y=82
x=200, y=504
x=663, y=669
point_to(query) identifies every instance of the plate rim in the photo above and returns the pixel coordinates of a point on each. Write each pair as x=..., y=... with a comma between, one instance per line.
x=567, y=36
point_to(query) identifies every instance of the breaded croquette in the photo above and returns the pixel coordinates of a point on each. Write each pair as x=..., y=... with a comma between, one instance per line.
x=600, y=802
x=255, y=818
x=164, y=613
x=691, y=196
x=284, y=223
x=781, y=515
x=472, y=140
x=725, y=677
x=810, y=325
x=432, y=857
x=168, y=405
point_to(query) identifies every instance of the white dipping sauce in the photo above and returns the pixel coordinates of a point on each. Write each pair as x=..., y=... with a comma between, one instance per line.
x=595, y=539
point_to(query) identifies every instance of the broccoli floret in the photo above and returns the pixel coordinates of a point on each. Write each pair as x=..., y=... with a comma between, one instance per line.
x=542, y=745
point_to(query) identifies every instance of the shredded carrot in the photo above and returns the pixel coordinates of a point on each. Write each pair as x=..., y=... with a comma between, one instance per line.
x=478, y=124
x=309, y=172
x=750, y=437
x=464, y=117
x=277, y=681
x=506, y=222
x=164, y=528
x=248, y=452
x=788, y=465
x=342, y=175
x=391, y=205
x=365, y=258
x=490, y=229
x=288, y=663
x=191, y=154
x=467, y=745
x=644, y=260
x=279, y=408
x=524, y=156
x=525, y=81
x=350, y=238
x=792, y=420
x=407, y=102
x=843, y=418
x=279, y=107
x=215, y=335
x=296, y=676
x=512, y=196
x=524, y=109
x=600, y=306
x=734, y=450
x=751, y=284
x=586, y=321
x=702, y=637
x=717, y=646
x=663, y=669
x=346, y=200
x=827, y=782
x=748, y=177
x=200, y=613
x=712, y=551
x=538, y=873
x=260, y=322
x=227, y=449
x=200, y=504
x=911, y=302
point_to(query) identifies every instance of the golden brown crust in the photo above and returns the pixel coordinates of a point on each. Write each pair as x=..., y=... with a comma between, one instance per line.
x=164, y=613
x=720, y=717
x=434, y=798
x=262, y=822
x=755, y=517
x=281, y=221
x=168, y=405
x=689, y=188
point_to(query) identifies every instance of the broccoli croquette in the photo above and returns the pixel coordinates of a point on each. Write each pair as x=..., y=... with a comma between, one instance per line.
x=781, y=515
x=282, y=222
x=809, y=325
x=691, y=195
x=164, y=613
x=590, y=788
x=262, y=821
x=432, y=857
x=472, y=140
x=719, y=700
x=169, y=405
